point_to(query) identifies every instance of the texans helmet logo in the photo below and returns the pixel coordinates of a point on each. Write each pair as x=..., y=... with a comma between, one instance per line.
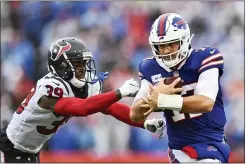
x=179, y=23
x=57, y=50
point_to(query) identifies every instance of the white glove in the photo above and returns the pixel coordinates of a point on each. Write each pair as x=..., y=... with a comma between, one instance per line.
x=156, y=126
x=130, y=88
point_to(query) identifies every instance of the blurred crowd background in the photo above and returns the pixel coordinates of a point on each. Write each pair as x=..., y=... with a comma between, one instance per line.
x=117, y=34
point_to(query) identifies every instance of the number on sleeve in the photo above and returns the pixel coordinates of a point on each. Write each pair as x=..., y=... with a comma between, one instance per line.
x=57, y=91
x=25, y=102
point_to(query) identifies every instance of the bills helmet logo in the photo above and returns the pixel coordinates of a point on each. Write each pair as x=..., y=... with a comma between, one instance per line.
x=211, y=148
x=179, y=23
x=57, y=50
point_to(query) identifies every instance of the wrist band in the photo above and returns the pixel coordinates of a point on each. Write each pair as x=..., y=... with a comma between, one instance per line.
x=171, y=102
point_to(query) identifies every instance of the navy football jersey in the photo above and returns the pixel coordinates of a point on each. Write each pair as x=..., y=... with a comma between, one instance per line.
x=184, y=128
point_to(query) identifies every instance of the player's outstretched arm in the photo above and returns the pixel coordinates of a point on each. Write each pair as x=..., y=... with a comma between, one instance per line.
x=83, y=107
x=121, y=112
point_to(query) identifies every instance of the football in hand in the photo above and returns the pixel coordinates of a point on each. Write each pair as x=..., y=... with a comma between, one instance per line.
x=169, y=80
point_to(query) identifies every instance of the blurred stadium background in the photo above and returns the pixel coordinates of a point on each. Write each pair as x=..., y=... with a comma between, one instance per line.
x=117, y=34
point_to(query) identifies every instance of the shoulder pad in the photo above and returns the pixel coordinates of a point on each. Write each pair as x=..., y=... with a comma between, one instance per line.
x=205, y=51
x=208, y=58
x=95, y=89
x=53, y=86
x=143, y=66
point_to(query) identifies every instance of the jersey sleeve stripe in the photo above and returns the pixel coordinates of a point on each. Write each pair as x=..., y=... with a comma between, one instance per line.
x=208, y=59
x=211, y=64
x=62, y=83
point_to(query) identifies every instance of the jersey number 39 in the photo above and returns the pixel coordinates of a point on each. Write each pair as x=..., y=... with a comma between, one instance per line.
x=55, y=125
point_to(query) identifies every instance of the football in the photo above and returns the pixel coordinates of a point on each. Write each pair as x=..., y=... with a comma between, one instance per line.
x=169, y=80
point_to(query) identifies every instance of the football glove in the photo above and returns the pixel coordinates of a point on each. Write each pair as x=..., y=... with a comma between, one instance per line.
x=130, y=88
x=156, y=126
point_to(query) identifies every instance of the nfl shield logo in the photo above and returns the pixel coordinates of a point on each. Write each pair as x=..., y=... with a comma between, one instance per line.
x=176, y=74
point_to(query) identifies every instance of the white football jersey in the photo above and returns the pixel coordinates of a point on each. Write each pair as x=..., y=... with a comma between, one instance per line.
x=31, y=126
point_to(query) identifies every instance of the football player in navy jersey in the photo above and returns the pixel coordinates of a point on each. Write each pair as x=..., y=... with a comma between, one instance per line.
x=195, y=118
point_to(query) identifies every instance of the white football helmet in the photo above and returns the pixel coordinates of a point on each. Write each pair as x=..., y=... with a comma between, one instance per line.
x=169, y=28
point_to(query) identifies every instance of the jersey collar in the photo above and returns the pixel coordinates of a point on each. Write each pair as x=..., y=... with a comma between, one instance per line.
x=183, y=62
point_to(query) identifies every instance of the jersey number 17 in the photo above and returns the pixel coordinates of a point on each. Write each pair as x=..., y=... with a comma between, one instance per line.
x=188, y=91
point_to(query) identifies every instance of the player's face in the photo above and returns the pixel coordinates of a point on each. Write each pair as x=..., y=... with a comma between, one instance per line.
x=169, y=48
x=80, y=69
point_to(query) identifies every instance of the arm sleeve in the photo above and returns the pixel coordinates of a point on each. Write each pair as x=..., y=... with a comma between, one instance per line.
x=208, y=83
x=83, y=107
x=122, y=112
x=143, y=91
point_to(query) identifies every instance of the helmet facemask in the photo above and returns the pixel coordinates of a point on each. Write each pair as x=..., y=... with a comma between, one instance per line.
x=174, y=58
x=85, y=74
x=70, y=59
x=168, y=59
x=78, y=70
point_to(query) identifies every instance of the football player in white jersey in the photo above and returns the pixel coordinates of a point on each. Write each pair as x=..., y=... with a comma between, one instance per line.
x=71, y=88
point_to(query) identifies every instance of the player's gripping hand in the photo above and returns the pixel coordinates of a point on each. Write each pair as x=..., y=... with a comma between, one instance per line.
x=130, y=88
x=156, y=126
x=152, y=100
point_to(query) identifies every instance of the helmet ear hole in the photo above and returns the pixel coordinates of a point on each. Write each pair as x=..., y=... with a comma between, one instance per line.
x=157, y=49
x=66, y=75
x=65, y=72
x=64, y=65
